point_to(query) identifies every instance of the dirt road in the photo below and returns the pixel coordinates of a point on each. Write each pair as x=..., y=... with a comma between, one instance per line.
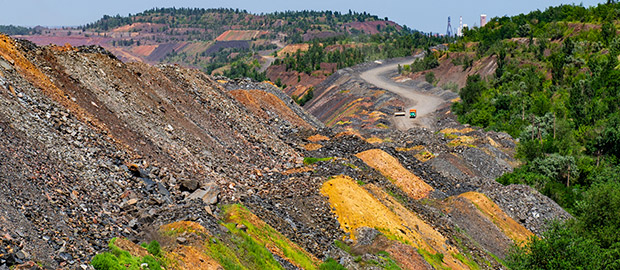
x=414, y=99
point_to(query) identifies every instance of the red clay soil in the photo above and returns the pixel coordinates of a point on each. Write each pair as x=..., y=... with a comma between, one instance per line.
x=448, y=72
x=371, y=26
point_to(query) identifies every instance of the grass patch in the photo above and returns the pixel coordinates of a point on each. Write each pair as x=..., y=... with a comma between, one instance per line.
x=435, y=260
x=258, y=235
x=312, y=160
x=470, y=263
x=331, y=264
x=223, y=254
x=255, y=254
x=350, y=166
x=342, y=245
x=400, y=198
x=450, y=136
x=387, y=262
x=389, y=235
x=118, y=259
x=383, y=126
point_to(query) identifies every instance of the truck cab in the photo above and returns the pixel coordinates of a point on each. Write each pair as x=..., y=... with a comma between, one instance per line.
x=413, y=113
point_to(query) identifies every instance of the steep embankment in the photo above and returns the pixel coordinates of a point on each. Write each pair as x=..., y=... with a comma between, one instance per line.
x=233, y=173
x=95, y=148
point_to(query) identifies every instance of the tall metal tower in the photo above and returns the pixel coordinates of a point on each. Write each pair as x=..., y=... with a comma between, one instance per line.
x=449, y=31
x=459, y=31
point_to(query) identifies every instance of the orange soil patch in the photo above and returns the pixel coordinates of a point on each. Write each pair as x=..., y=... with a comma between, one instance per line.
x=292, y=48
x=9, y=52
x=389, y=166
x=258, y=102
x=144, y=50
x=298, y=170
x=317, y=138
x=188, y=257
x=374, y=140
x=131, y=247
x=231, y=35
x=355, y=207
x=183, y=226
x=509, y=226
x=312, y=146
x=407, y=257
x=414, y=148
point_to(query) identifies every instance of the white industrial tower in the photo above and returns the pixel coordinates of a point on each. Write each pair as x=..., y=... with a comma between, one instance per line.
x=459, y=31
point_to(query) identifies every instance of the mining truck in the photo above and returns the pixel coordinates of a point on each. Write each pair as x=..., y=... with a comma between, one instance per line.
x=413, y=113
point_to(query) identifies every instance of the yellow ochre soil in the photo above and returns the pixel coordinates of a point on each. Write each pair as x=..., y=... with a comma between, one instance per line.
x=355, y=207
x=391, y=168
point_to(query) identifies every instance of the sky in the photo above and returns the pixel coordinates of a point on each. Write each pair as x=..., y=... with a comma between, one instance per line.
x=426, y=16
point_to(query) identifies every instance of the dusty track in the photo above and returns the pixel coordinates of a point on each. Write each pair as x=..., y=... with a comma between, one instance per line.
x=424, y=103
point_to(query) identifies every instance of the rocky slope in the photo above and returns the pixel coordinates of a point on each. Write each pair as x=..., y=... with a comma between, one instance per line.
x=92, y=148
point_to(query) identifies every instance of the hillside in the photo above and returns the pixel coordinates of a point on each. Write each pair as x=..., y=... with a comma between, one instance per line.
x=549, y=79
x=209, y=171
x=207, y=38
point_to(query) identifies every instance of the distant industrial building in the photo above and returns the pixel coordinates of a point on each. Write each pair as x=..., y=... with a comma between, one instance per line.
x=483, y=20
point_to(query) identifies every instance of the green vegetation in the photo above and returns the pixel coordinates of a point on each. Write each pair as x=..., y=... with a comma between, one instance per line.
x=386, y=261
x=219, y=251
x=16, y=30
x=429, y=61
x=312, y=160
x=331, y=264
x=558, y=93
x=121, y=259
x=307, y=97
x=435, y=260
x=346, y=51
x=250, y=243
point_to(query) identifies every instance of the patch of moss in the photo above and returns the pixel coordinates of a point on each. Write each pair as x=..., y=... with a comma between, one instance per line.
x=312, y=160
x=435, y=260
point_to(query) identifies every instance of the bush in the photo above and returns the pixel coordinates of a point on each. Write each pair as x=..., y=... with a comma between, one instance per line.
x=154, y=248
x=106, y=261
x=430, y=77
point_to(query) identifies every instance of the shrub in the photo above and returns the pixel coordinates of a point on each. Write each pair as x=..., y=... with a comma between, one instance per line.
x=154, y=248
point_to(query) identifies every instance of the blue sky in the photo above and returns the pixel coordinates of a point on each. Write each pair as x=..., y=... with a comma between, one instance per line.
x=427, y=16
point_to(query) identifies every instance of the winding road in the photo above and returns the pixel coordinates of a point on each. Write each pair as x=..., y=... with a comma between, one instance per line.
x=424, y=103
